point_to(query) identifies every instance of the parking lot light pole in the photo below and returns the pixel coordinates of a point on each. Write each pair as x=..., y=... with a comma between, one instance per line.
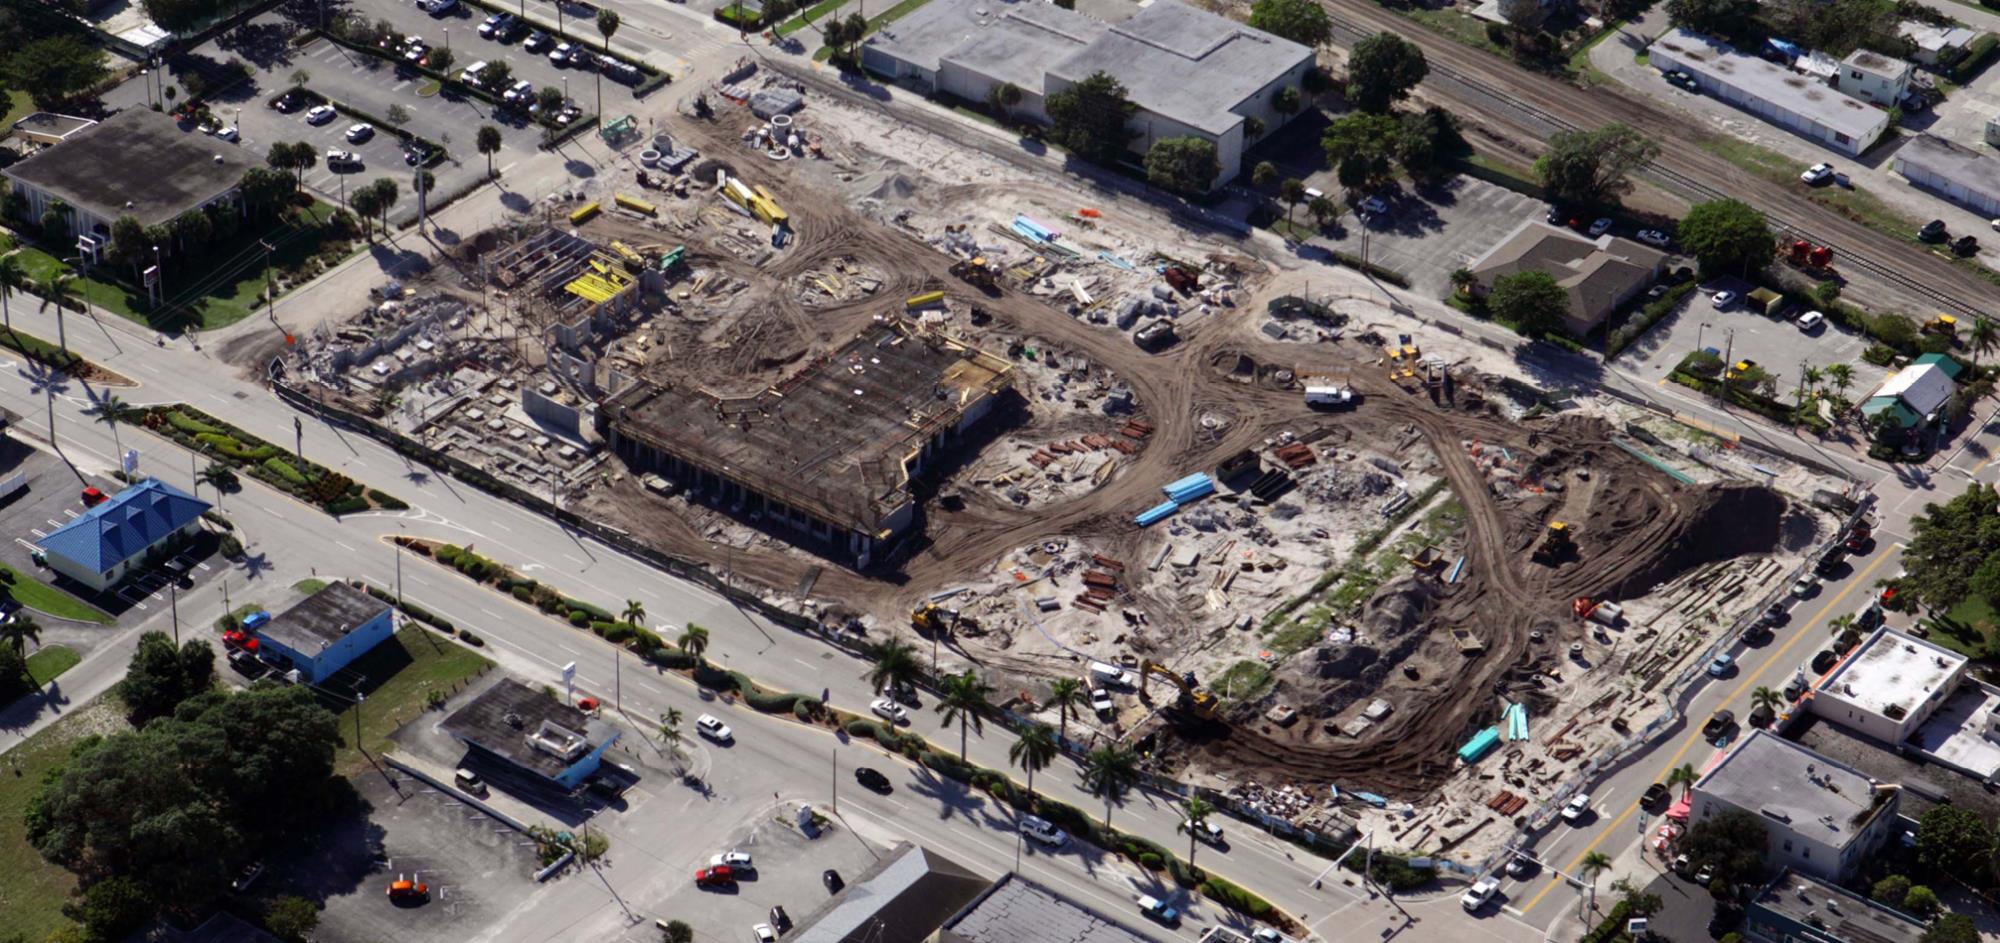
x=174, y=600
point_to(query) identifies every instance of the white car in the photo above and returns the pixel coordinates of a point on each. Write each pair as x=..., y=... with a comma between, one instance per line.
x=226, y=133
x=1480, y=894
x=734, y=860
x=320, y=114
x=1817, y=174
x=1805, y=586
x=521, y=91
x=1100, y=700
x=335, y=157
x=1268, y=935
x=1576, y=808
x=764, y=933
x=1652, y=237
x=560, y=55
x=1811, y=321
x=360, y=132
x=1044, y=831
x=1207, y=831
x=889, y=710
x=1600, y=226
x=714, y=729
x=1723, y=299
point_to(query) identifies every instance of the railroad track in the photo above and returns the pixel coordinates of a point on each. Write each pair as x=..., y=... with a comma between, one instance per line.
x=1513, y=100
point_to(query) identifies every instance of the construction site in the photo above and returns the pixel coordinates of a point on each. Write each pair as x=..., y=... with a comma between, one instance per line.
x=1354, y=572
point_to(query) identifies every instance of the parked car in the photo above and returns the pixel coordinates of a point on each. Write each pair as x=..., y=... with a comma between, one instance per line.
x=337, y=159
x=320, y=114
x=780, y=920
x=559, y=56
x=714, y=729
x=1159, y=910
x=1719, y=723
x=1723, y=299
x=1705, y=875
x=736, y=861
x=1600, y=226
x=764, y=933
x=1817, y=174
x=1720, y=666
x=290, y=101
x=469, y=781
x=406, y=889
x=1100, y=700
x=1044, y=831
x=1933, y=231
x=520, y=93
x=359, y=132
x=225, y=133
x=1480, y=894
x=1811, y=321
x=1374, y=206
x=1656, y=795
x=718, y=876
x=889, y=710
x=1965, y=246
x=494, y=24
x=537, y=41
x=1684, y=80
x=1652, y=237
x=246, y=877
x=441, y=7
x=1577, y=808
x=873, y=780
x=1762, y=716
x=831, y=879
x=1805, y=586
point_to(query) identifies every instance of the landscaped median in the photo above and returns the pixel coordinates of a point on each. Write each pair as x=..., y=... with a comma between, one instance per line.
x=1704, y=371
x=239, y=451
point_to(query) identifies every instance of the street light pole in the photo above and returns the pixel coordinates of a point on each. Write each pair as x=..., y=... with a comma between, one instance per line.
x=174, y=600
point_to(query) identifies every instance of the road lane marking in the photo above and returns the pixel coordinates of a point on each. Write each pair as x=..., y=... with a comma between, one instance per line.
x=1695, y=736
x=345, y=547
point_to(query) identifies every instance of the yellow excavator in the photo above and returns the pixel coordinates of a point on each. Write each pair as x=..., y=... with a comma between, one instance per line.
x=1555, y=542
x=1194, y=699
x=976, y=271
x=932, y=620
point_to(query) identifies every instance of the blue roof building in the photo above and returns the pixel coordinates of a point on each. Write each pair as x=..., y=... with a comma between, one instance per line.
x=108, y=542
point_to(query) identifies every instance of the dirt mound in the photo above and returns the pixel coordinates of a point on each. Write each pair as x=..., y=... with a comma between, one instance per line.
x=1715, y=523
x=889, y=185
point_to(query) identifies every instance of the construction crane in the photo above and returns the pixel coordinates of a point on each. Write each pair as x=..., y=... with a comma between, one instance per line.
x=1555, y=543
x=1194, y=699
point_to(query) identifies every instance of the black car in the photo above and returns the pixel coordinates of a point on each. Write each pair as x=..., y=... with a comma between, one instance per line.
x=1719, y=723
x=1966, y=245
x=831, y=879
x=873, y=780
x=780, y=921
x=1656, y=796
x=1933, y=231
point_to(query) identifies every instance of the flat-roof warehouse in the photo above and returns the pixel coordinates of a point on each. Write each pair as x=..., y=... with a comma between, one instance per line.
x=830, y=450
x=139, y=163
x=1798, y=103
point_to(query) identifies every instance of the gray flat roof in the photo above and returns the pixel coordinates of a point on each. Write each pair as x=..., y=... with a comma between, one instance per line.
x=503, y=718
x=1892, y=670
x=902, y=897
x=323, y=618
x=137, y=162
x=1014, y=41
x=1783, y=781
x=1186, y=64
x=1977, y=172
x=1854, y=919
x=1018, y=910
x=1772, y=83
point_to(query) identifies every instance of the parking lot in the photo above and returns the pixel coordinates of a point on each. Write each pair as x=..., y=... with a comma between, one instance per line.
x=459, y=29
x=1740, y=333
x=477, y=870
x=1426, y=235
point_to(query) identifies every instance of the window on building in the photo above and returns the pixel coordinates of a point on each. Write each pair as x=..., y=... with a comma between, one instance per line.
x=1844, y=139
x=1806, y=852
x=1788, y=844
x=1855, y=74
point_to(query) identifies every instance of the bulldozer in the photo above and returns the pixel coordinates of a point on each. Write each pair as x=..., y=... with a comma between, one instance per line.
x=1944, y=325
x=976, y=271
x=933, y=621
x=1555, y=543
x=1194, y=699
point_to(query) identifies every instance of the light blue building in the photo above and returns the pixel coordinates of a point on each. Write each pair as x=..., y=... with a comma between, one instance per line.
x=114, y=539
x=327, y=631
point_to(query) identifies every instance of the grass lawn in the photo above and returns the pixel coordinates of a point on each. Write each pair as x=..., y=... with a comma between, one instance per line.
x=17, y=105
x=42, y=597
x=413, y=663
x=1579, y=62
x=1967, y=627
x=225, y=289
x=1243, y=681
x=1859, y=205
x=1502, y=173
x=51, y=660
x=32, y=890
x=309, y=587
x=810, y=16
x=1460, y=26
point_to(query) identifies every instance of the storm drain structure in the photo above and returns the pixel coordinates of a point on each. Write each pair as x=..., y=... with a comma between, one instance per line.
x=831, y=450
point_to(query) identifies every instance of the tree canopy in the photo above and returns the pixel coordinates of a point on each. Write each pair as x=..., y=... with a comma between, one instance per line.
x=56, y=70
x=1587, y=170
x=1715, y=17
x=1382, y=69
x=1728, y=236
x=1952, y=928
x=1184, y=165
x=1088, y=118
x=161, y=676
x=1950, y=542
x=1531, y=300
x=181, y=16
x=1732, y=841
x=1301, y=21
x=1951, y=839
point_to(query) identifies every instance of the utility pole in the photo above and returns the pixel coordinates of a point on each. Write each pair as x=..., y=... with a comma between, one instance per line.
x=174, y=600
x=398, y=544
x=617, y=678
x=299, y=440
x=833, y=756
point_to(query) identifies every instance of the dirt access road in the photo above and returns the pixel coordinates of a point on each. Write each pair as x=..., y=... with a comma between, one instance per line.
x=1537, y=106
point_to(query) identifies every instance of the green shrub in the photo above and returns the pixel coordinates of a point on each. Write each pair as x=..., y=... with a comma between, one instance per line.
x=647, y=639
x=864, y=728
x=346, y=505
x=1880, y=355
x=475, y=641
x=387, y=502
x=617, y=633
x=284, y=470
x=804, y=709
x=1151, y=862
x=667, y=657
x=229, y=547
x=523, y=593
x=593, y=611
x=1235, y=898
x=448, y=554
x=180, y=421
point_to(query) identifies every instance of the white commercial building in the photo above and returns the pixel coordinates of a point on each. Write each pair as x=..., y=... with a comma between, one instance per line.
x=1873, y=77
x=1889, y=686
x=1771, y=92
x=1820, y=817
x=1955, y=172
x=1189, y=72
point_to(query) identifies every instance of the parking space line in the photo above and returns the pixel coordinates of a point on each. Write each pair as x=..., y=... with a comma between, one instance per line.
x=36, y=531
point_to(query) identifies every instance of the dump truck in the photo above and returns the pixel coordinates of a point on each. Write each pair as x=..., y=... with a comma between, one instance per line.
x=1556, y=541
x=1194, y=698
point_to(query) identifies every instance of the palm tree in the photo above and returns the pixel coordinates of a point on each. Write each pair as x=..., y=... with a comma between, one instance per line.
x=1196, y=810
x=1682, y=776
x=111, y=411
x=1065, y=694
x=1034, y=750
x=1109, y=772
x=21, y=630
x=1461, y=280
x=670, y=730
x=1589, y=868
x=1293, y=192
x=1841, y=376
x=1811, y=377
x=694, y=641
x=57, y=288
x=635, y=613
x=13, y=278
x=1982, y=339
x=895, y=666
x=963, y=700
x=1766, y=698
